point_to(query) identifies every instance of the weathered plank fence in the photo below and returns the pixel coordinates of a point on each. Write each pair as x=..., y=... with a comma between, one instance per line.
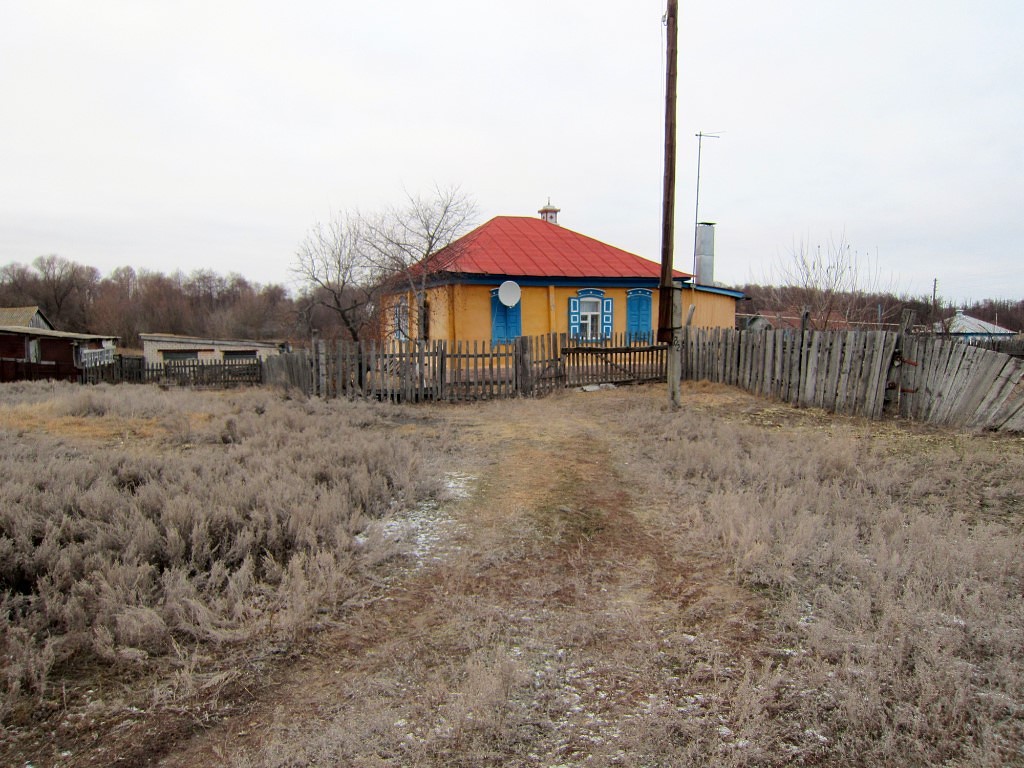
x=944, y=381
x=843, y=372
x=411, y=371
x=933, y=379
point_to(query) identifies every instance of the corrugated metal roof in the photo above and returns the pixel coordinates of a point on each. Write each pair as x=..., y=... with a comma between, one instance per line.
x=24, y=330
x=21, y=316
x=523, y=246
x=967, y=325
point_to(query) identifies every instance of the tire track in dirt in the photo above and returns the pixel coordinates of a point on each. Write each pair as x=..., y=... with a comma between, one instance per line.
x=549, y=633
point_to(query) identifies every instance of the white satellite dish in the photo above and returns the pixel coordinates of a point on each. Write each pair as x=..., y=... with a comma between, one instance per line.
x=509, y=293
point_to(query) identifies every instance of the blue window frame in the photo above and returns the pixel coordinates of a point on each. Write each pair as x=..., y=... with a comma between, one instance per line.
x=590, y=314
x=506, y=322
x=638, y=313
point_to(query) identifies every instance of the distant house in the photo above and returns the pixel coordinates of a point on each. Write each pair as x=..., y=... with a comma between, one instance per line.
x=168, y=347
x=972, y=329
x=559, y=281
x=28, y=352
x=29, y=317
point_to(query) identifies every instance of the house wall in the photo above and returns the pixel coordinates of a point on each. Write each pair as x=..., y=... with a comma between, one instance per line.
x=713, y=310
x=16, y=346
x=57, y=350
x=12, y=346
x=463, y=312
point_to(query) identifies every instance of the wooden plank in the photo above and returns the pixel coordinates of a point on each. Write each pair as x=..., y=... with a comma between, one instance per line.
x=1003, y=385
x=986, y=366
x=757, y=361
x=849, y=377
x=868, y=347
x=933, y=377
x=948, y=377
x=880, y=365
x=821, y=372
x=1014, y=422
x=871, y=373
x=908, y=375
x=796, y=366
x=829, y=399
x=927, y=351
x=778, y=374
x=986, y=377
x=809, y=374
x=950, y=380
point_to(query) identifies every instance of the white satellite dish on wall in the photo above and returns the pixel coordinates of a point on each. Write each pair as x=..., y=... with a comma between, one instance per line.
x=509, y=293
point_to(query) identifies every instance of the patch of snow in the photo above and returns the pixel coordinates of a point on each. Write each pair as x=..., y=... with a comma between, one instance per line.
x=422, y=531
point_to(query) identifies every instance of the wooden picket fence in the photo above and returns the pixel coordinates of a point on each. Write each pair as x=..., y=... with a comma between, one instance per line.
x=872, y=374
x=412, y=371
x=213, y=374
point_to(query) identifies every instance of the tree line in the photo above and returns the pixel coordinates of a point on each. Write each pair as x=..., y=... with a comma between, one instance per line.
x=342, y=267
x=127, y=302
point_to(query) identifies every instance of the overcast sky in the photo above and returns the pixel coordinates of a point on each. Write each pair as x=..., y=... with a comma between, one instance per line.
x=213, y=133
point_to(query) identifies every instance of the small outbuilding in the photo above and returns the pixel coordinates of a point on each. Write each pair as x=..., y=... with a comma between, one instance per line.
x=29, y=317
x=160, y=348
x=971, y=329
x=28, y=352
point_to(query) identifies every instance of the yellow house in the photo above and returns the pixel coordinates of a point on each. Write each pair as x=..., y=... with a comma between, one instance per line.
x=523, y=276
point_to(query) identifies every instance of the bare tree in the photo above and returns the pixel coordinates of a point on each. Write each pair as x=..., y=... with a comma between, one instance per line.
x=63, y=288
x=405, y=244
x=346, y=263
x=334, y=264
x=834, y=283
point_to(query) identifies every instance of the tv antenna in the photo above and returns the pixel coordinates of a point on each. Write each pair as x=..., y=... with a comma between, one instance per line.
x=696, y=208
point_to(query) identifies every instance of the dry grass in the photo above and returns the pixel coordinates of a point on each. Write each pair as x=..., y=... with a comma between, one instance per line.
x=890, y=562
x=142, y=530
x=736, y=584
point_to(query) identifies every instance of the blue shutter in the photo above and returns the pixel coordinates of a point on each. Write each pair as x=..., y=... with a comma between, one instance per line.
x=498, y=319
x=574, y=317
x=638, y=314
x=506, y=322
x=514, y=321
x=606, y=318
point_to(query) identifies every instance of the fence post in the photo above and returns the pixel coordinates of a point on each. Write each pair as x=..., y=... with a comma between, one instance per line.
x=895, y=371
x=523, y=382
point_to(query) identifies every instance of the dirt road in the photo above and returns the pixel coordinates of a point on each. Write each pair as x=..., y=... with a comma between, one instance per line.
x=545, y=625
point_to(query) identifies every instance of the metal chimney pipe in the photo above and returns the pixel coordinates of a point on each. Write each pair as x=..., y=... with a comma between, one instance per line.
x=705, y=254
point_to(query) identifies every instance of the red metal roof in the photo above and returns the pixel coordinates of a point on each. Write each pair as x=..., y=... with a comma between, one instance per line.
x=524, y=246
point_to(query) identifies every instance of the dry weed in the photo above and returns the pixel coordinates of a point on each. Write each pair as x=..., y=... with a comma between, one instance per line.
x=893, y=565
x=250, y=516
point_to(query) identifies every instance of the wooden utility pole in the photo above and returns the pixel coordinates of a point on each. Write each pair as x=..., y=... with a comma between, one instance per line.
x=669, y=320
x=669, y=187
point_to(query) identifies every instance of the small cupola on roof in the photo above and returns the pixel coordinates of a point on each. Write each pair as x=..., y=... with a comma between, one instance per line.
x=549, y=213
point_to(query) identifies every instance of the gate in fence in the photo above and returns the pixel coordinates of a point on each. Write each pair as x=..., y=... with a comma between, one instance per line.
x=413, y=371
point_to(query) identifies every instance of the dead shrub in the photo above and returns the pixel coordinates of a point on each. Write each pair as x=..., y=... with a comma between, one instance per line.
x=213, y=532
